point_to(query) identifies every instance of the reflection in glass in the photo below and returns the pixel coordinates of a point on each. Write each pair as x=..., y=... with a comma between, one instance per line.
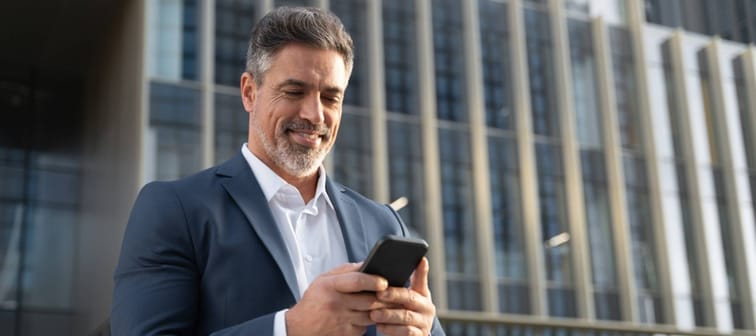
x=459, y=227
x=494, y=33
x=174, y=120
x=233, y=22
x=231, y=126
x=406, y=171
x=352, y=154
x=511, y=270
x=555, y=230
x=353, y=15
x=541, y=73
x=399, y=56
x=449, y=60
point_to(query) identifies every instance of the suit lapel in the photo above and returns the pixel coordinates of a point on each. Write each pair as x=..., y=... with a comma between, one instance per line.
x=246, y=192
x=350, y=221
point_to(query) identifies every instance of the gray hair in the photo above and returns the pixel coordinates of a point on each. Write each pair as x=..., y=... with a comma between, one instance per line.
x=284, y=25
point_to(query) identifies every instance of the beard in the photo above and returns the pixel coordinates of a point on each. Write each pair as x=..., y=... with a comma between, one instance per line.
x=293, y=158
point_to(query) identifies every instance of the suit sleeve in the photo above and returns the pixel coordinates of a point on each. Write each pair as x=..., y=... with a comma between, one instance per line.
x=437, y=330
x=157, y=278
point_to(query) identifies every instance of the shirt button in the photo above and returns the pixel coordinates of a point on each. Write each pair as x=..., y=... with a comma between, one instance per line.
x=308, y=258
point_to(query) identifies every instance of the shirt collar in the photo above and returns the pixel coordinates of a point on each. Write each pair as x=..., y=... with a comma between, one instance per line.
x=271, y=183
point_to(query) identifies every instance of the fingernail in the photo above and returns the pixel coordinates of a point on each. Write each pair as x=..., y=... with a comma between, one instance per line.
x=383, y=294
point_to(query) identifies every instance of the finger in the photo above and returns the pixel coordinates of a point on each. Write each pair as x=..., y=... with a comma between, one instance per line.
x=397, y=316
x=407, y=298
x=344, y=268
x=419, y=280
x=365, y=301
x=360, y=319
x=355, y=282
x=392, y=329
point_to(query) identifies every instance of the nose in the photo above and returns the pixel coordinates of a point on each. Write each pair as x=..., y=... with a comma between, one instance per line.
x=312, y=110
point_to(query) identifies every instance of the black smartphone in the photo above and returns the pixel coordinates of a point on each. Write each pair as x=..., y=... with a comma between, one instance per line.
x=395, y=258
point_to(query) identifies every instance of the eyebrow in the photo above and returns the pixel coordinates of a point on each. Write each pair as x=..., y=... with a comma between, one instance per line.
x=303, y=84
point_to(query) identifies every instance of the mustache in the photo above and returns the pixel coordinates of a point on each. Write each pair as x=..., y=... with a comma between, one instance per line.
x=304, y=125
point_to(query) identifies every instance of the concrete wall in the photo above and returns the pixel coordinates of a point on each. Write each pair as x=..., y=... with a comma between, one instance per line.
x=115, y=115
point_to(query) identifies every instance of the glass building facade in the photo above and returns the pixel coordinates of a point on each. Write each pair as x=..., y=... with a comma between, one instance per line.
x=579, y=167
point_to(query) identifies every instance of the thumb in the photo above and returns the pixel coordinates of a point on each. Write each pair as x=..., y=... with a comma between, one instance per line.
x=419, y=280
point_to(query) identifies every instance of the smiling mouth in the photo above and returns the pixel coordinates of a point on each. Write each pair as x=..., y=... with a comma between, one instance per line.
x=306, y=138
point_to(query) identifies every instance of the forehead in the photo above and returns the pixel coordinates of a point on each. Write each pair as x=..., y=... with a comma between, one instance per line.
x=309, y=64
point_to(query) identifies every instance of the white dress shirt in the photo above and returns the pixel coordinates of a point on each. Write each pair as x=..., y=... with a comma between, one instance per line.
x=311, y=231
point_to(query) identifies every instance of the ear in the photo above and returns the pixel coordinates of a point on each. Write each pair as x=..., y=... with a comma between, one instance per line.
x=248, y=90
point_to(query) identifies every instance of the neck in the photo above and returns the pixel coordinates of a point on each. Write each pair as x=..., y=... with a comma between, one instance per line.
x=306, y=185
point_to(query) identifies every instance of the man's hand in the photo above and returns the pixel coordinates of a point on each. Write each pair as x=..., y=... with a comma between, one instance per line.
x=409, y=311
x=337, y=303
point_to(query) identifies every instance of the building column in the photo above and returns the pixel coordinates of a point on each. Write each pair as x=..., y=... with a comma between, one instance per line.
x=431, y=160
x=747, y=200
x=581, y=266
x=377, y=101
x=707, y=238
x=207, y=82
x=636, y=22
x=324, y=4
x=479, y=153
x=735, y=175
x=528, y=170
x=615, y=174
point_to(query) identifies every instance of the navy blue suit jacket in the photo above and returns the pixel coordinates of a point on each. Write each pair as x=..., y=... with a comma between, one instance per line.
x=203, y=255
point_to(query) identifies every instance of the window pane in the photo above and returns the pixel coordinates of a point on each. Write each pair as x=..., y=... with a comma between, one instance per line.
x=494, y=33
x=406, y=172
x=459, y=226
x=174, y=124
x=399, y=56
x=554, y=229
x=49, y=258
x=642, y=240
x=511, y=269
x=173, y=39
x=625, y=90
x=600, y=238
x=353, y=153
x=231, y=125
x=233, y=22
x=541, y=73
x=584, y=86
x=449, y=59
x=352, y=15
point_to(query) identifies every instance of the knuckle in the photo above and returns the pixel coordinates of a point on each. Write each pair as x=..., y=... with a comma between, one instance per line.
x=409, y=318
x=410, y=296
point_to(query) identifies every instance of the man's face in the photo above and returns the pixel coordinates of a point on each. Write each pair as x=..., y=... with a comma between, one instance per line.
x=295, y=112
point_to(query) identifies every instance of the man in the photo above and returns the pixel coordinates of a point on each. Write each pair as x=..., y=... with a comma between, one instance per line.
x=262, y=244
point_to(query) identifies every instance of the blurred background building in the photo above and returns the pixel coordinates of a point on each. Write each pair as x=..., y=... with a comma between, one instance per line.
x=579, y=167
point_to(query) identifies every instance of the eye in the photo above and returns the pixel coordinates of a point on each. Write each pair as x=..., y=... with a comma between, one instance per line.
x=331, y=99
x=293, y=93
